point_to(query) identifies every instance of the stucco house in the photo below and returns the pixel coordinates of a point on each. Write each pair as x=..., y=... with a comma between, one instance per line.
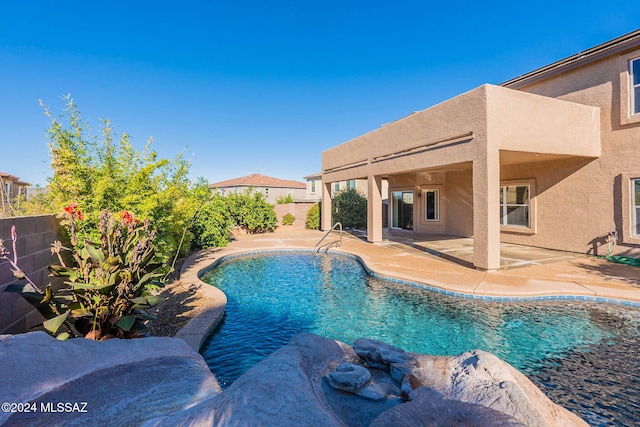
x=271, y=187
x=549, y=159
x=10, y=189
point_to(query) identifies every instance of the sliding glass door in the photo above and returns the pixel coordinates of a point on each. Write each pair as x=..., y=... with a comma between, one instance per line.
x=402, y=210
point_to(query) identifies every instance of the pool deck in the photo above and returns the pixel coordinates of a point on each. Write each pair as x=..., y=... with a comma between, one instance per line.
x=565, y=276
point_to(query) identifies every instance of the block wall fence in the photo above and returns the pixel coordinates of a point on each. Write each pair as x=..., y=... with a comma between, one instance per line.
x=35, y=235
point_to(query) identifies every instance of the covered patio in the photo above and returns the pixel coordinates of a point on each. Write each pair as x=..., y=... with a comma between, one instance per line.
x=473, y=167
x=459, y=250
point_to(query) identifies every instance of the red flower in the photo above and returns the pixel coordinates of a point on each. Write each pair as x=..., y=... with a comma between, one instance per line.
x=126, y=217
x=71, y=209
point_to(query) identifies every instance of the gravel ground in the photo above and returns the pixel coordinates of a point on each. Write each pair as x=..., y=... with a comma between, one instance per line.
x=179, y=306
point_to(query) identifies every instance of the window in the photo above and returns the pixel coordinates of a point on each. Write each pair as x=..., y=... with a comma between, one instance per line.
x=221, y=191
x=636, y=206
x=635, y=85
x=402, y=210
x=336, y=186
x=432, y=205
x=7, y=191
x=351, y=184
x=514, y=205
x=313, y=185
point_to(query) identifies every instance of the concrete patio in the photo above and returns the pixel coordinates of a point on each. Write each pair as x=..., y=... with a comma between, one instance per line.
x=460, y=249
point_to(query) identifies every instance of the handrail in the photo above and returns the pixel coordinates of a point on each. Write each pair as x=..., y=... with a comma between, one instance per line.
x=327, y=233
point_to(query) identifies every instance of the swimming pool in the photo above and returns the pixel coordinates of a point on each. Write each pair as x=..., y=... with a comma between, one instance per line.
x=584, y=356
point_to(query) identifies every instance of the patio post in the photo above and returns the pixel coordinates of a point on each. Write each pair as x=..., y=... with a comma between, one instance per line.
x=325, y=219
x=374, y=208
x=486, y=210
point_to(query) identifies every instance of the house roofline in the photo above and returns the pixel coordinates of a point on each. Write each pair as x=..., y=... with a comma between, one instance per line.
x=611, y=47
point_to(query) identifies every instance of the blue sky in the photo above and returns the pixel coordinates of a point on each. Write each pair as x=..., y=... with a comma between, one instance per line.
x=265, y=87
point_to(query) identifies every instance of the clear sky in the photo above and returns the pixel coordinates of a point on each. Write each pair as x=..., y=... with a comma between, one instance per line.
x=265, y=86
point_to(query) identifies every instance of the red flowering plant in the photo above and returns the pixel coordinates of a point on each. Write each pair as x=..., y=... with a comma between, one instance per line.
x=106, y=282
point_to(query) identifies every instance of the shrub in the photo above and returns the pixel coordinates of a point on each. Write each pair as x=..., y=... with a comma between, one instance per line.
x=288, y=219
x=313, y=217
x=251, y=211
x=283, y=200
x=106, y=281
x=350, y=209
x=213, y=223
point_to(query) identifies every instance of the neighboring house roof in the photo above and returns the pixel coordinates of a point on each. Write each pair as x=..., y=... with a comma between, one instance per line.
x=616, y=45
x=257, y=180
x=16, y=180
x=313, y=176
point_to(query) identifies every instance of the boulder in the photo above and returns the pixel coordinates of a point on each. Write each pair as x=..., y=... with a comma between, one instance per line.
x=380, y=355
x=122, y=382
x=162, y=382
x=348, y=377
x=482, y=378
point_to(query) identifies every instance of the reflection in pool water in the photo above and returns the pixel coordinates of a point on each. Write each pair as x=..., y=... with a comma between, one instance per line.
x=585, y=356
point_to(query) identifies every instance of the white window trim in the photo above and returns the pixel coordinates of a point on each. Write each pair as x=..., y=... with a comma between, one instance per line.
x=634, y=208
x=437, y=207
x=627, y=116
x=519, y=229
x=504, y=207
x=632, y=88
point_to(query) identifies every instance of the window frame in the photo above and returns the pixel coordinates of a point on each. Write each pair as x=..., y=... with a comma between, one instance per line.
x=313, y=186
x=634, y=108
x=635, y=208
x=351, y=184
x=626, y=95
x=520, y=229
x=336, y=186
x=504, y=205
x=436, y=191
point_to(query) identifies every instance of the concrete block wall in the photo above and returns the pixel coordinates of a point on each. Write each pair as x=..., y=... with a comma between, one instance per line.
x=298, y=210
x=35, y=235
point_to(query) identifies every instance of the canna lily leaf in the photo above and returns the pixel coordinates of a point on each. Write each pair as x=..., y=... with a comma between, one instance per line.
x=82, y=312
x=94, y=252
x=125, y=323
x=60, y=271
x=63, y=336
x=52, y=325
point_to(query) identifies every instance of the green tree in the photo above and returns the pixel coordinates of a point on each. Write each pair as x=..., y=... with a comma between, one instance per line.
x=105, y=172
x=350, y=209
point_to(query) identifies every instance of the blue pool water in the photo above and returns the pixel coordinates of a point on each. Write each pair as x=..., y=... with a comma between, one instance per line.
x=585, y=356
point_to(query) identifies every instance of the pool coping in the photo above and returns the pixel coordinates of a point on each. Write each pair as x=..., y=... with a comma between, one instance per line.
x=214, y=300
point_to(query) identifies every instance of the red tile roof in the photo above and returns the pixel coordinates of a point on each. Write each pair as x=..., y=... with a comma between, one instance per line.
x=257, y=180
x=12, y=178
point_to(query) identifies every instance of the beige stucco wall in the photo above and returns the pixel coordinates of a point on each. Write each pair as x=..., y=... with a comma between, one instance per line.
x=585, y=201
